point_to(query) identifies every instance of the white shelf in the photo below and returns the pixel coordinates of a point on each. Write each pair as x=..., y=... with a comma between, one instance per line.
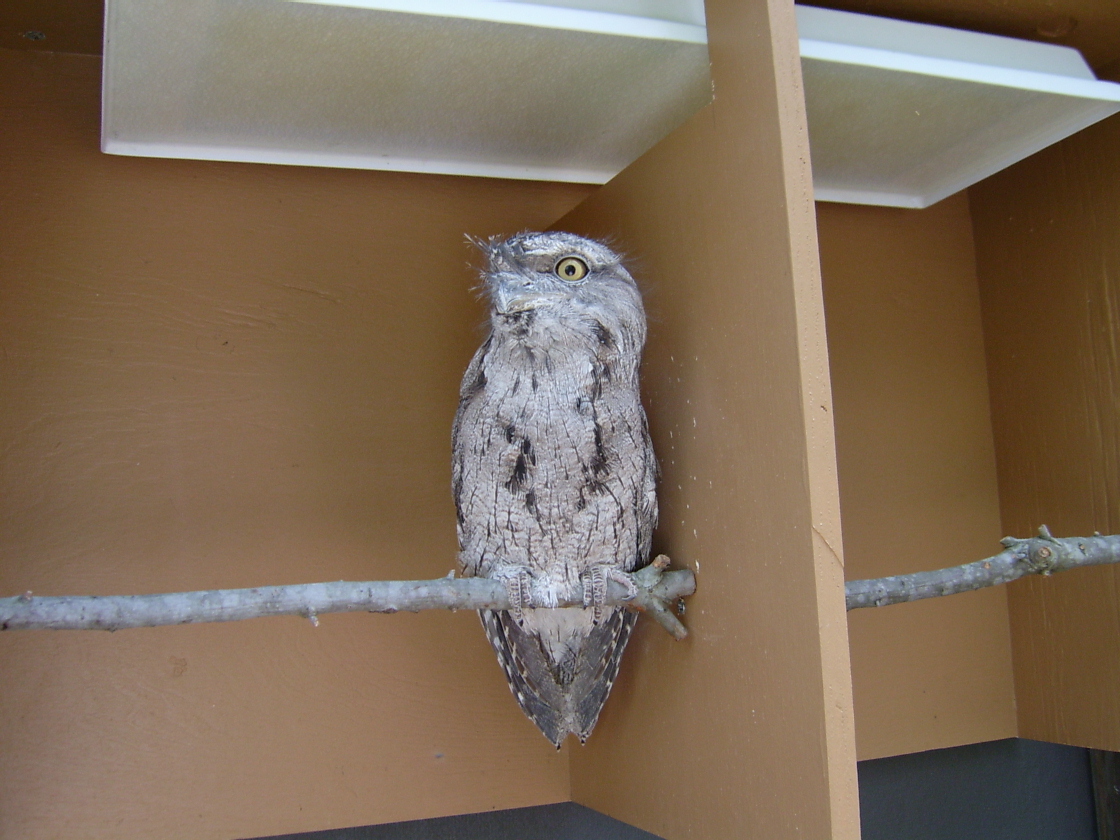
x=567, y=92
x=905, y=114
x=900, y=114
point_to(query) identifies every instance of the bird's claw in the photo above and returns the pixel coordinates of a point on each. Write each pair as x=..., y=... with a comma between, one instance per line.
x=595, y=587
x=518, y=584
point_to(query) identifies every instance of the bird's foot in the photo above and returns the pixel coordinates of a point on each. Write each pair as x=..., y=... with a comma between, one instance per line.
x=595, y=587
x=519, y=588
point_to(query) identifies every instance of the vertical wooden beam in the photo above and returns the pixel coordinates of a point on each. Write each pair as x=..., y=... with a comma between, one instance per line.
x=746, y=729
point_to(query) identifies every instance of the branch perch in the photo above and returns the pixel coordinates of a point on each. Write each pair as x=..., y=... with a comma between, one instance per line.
x=658, y=591
x=1041, y=555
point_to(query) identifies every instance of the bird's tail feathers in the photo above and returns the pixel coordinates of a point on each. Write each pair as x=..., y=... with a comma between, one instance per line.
x=560, y=697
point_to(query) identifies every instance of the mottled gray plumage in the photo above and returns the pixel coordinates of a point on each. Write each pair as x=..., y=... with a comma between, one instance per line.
x=553, y=470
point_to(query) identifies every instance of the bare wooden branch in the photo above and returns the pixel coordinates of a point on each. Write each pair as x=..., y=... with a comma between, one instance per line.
x=1041, y=555
x=658, y=591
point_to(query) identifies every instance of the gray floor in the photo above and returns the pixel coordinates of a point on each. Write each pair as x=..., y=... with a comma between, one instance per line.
x=1001, y=790
x=564, y=821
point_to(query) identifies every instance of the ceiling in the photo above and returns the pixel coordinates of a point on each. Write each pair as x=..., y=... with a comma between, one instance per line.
x=1091, y=26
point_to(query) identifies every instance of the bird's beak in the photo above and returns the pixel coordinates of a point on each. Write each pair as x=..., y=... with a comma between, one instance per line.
x=511, y=294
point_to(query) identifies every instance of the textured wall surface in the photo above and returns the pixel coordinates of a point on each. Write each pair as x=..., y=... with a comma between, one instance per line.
x=1048, y=252
x=223, y=375
x=917, y=472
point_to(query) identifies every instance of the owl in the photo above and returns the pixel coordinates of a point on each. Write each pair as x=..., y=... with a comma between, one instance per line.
x=553, y=470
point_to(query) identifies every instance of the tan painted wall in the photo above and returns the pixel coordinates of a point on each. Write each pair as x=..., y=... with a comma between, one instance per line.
x=917, y=472
x=745, y=730
x=221, y=375
x=1048, y=246
x=71, y=26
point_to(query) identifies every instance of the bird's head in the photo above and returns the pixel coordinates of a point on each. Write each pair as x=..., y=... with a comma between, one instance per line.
x=563, y=275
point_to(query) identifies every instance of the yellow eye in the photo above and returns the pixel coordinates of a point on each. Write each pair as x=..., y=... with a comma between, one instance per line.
x=571, y=269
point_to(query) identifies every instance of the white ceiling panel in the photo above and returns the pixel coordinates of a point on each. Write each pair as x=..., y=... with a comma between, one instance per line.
x=905, y=114
x=900, y=114
x=487, y=90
